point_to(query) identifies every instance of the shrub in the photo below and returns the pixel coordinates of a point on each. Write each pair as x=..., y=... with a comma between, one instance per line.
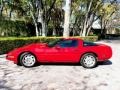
x=14, y=28
x=8, y=44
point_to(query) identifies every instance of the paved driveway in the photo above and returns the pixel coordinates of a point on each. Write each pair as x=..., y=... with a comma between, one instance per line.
x=63, y=77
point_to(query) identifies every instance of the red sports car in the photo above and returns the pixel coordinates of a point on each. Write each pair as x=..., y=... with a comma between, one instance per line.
x=72, y=50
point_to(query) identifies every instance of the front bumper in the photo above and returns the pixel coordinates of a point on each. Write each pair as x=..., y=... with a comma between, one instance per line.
x=11, y=58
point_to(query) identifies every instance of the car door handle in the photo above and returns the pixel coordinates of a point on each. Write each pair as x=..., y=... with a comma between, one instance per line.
x=57, y=47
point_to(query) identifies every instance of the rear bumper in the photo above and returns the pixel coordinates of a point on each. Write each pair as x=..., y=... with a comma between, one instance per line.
x=106, y=55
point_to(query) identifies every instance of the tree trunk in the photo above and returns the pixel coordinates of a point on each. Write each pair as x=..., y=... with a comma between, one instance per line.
x=66, y=31
x=43, y=23
x=54, y=32
x=36, y=29
x=86, y=20
x=35, y=23
x=34, y=20
x=80, y=33
x=10, y=14
x=103, y=28
x=84, y=30
x=90, y=23
x=44, y=28
x=89, y=30
x=1, y=8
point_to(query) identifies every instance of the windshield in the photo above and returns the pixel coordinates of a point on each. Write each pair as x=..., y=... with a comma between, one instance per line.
x=53, y=43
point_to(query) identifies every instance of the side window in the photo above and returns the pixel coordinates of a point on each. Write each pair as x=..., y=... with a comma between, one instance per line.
x=68, y=43
x=86, y=43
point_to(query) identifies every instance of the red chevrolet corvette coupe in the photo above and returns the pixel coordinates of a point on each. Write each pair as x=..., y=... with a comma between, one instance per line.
x=72, y=50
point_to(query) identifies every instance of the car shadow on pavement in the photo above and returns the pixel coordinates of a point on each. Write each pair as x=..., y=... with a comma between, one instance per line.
x=58, y=64
x=108, y=62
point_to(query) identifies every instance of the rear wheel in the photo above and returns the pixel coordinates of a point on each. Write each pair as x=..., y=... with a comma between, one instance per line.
x=88, y=60
x=27, y=59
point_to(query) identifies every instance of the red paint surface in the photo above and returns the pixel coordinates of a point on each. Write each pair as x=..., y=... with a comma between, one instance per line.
x=56, y=54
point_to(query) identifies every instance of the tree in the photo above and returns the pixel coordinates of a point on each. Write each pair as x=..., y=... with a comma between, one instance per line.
x=85, y=12
x=34, y=18
x=1, y=7
x=40, y=11
x=67, y=18
x=106, y=15
x=91, y=12
x=77, y=18
x=57, y=18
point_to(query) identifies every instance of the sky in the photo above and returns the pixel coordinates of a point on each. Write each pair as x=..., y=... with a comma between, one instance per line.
x=118, y=0
x=111, y=0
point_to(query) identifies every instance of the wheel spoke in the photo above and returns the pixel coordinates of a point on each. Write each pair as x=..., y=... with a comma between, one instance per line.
x=28, y=60
x=89, y=60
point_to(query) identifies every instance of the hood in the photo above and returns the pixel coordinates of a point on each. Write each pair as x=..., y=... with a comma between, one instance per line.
x=30, y=47
x=35, y=45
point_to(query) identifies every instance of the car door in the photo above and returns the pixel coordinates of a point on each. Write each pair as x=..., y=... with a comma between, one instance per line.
x=64, y=51
x=69, y=51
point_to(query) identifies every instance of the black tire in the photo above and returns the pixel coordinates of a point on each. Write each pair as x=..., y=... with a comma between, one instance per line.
x=28, y=55
x=87, y=63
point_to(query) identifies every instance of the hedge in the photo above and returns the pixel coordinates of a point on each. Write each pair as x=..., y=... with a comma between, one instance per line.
x=9, y=43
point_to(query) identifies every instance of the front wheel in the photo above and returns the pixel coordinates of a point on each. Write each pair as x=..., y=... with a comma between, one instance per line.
x=27, y=59
x=88, y=60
